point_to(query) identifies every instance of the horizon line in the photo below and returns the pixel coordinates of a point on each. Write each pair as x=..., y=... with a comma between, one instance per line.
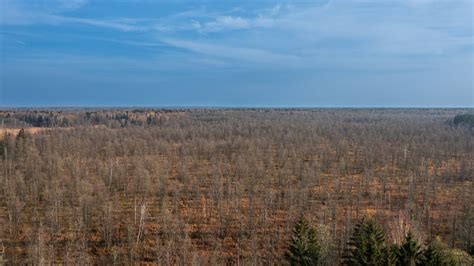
x=222, y=107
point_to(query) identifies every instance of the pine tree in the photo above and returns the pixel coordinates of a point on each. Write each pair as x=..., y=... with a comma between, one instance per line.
x=432, y=256
x=3, y=149
x=20, y=143
x=410, y=252
x=367, y=245
x=21, y=134
x=303, y=248
x=391, y=255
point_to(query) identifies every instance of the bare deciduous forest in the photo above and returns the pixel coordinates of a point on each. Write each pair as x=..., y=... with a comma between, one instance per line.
x=226, y=186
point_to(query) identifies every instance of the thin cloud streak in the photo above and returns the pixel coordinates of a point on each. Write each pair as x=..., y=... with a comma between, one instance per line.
x=412, y=31
x=237, y=53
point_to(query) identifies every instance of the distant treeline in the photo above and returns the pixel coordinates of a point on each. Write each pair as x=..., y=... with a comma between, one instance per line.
x=58, y=118
x=122, y=117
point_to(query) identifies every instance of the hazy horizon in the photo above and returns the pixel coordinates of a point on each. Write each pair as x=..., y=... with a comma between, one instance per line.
x=4, y=107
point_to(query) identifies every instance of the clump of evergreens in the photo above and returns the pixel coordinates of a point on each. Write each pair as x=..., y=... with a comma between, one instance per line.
x=368, y=246
x=464, y=119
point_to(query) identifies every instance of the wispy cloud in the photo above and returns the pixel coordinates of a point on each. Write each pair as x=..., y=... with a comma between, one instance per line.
x=406, y=26
x=235, y=53
x=20, y=13
x=373, y=28
x=294, y=34
x=114, y=24
x=72, y=4
x=264, y=18
x=298, y=48
x=224, y=22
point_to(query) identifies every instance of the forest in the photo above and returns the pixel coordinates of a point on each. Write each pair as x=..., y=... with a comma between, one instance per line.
x=250, y=186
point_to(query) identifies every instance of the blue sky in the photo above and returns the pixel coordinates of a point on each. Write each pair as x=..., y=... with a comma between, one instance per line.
x=356, y=53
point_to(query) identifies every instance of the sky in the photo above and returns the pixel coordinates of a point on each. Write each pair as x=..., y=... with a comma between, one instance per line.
x=237, y=53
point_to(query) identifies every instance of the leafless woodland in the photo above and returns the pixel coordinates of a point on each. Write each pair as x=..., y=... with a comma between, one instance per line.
x=224, y=186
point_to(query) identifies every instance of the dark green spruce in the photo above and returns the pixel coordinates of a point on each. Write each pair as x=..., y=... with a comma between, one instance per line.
x=367, y=245
x=410, y=253
x=303, y=248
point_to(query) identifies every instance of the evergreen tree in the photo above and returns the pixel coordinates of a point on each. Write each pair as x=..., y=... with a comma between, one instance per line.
x=21, y=134
x=367, y=245
x=3, y=149
x=391, y=255
x=303, y=248
x=20, y=143
x=410, y=252
x=432, y=255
